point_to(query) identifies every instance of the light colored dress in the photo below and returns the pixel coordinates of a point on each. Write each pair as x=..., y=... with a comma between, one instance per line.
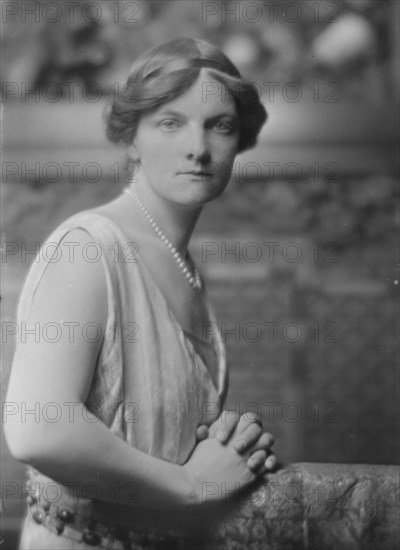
x=153, y=385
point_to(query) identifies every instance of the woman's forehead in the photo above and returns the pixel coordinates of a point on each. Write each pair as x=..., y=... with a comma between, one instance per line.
x=206, y=94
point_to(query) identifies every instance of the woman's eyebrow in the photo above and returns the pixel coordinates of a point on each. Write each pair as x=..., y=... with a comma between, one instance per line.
x=223, y=114
x=170, y=112
x=227, y=114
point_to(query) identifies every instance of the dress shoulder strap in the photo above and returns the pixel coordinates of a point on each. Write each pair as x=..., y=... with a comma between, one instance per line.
x=106, y=240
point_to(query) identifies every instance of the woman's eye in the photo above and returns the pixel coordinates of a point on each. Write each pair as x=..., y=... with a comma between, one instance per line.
x=169, y=125
x=223, y=127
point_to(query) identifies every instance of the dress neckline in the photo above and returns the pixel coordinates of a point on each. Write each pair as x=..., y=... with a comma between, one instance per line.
x=217, y=343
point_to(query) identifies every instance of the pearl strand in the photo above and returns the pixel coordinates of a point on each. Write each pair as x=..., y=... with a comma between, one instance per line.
x=193, y=278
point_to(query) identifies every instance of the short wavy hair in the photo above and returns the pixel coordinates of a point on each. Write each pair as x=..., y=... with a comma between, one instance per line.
x=165, y=72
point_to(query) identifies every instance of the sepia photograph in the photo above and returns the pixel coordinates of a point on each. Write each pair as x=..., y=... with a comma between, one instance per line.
x=200, y=275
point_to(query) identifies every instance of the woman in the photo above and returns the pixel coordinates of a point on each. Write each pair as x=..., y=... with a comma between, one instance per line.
x=130, y=380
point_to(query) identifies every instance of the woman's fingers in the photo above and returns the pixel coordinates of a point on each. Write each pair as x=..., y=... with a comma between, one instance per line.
x=256, y=460
x=229, y=424
x=202, y=432
x=246, y=421
x=265, y=441
x=271, y=462
x=262, y=461
x=224, y=426
x=244, y=433
x=247, y=438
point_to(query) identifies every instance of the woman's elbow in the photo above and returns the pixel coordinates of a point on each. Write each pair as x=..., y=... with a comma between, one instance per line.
x=26, y=442
x=20, y=442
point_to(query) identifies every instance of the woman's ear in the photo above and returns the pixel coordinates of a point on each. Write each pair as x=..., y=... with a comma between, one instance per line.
x=133, y=152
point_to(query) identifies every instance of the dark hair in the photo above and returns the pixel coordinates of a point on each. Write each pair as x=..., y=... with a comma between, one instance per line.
x=165, y=72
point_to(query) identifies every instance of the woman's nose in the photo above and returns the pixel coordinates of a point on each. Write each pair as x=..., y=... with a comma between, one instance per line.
x=197, y=146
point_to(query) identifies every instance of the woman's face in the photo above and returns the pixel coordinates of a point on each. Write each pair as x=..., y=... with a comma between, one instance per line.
x=186, y=147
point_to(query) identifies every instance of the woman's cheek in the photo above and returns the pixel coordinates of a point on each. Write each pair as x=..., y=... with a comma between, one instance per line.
x=228, y=146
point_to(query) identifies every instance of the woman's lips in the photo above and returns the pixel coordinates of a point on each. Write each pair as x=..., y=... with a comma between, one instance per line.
x=197, y=173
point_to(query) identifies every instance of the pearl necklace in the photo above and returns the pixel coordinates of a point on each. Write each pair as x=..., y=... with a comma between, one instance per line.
x=193, y=278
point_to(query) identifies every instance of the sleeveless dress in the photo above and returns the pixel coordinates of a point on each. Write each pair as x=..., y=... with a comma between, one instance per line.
x=154, y=383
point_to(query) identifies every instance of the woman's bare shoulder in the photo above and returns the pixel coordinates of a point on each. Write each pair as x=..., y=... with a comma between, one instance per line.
x=73, y=282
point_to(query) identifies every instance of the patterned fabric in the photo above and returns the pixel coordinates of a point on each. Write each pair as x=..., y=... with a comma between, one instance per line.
x=154, y=382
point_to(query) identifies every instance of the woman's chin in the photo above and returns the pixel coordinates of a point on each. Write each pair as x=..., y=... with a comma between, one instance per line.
x=198, y=194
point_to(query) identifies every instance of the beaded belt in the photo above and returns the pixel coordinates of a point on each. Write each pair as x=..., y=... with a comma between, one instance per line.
x=80, y=527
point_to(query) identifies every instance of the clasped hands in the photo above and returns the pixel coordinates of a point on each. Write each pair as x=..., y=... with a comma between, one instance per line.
x=247, y=436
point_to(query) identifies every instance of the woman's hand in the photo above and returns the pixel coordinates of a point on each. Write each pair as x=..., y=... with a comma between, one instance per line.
x=247, y=434
x=216, y=471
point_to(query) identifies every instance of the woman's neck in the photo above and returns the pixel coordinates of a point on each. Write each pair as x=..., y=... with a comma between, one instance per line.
x=176, y=221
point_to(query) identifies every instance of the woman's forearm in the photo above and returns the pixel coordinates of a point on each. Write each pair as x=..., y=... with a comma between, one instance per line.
x=82, y=453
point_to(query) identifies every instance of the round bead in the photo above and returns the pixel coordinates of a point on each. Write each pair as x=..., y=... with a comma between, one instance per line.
x=91, y=538
x=65, y=515
x=30, y=500
x=59, y=525
x=39, y=515
x=46, y=505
